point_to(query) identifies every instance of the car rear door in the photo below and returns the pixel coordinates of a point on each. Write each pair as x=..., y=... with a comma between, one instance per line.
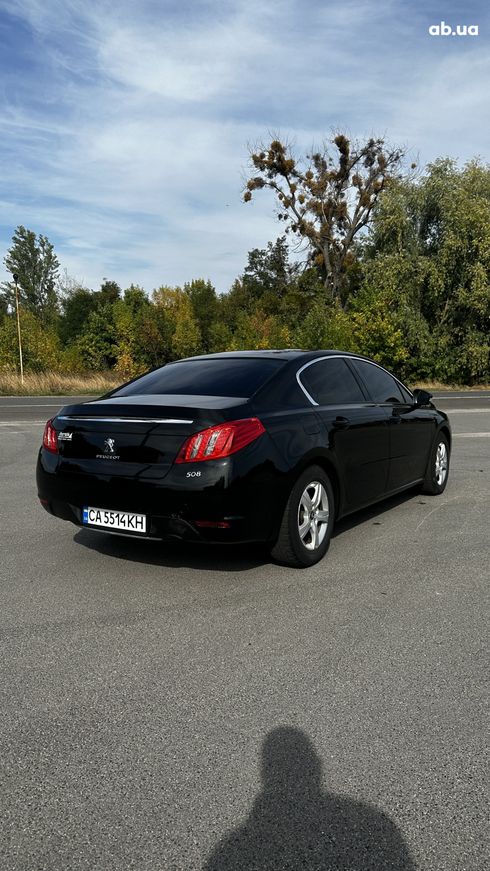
x=411, y=429
x=354, y=428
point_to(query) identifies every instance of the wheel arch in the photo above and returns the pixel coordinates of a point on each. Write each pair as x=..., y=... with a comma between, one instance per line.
x=446, y=431
x=328, y=465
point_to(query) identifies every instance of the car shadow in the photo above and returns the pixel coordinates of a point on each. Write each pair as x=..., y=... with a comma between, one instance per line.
x=375, y=511
x=215, y=557
x=176, y=554
x=295, y=824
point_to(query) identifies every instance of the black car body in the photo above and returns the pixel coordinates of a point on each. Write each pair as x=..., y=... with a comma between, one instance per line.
x=140, y=449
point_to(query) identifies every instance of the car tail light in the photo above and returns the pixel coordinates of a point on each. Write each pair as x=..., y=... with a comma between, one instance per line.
x=50, y=439
x=220, y=441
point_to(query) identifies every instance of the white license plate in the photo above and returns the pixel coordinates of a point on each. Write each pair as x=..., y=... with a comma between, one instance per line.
x=122, y=520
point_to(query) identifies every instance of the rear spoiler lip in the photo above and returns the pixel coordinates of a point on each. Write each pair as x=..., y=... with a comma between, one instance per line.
x=95, y=417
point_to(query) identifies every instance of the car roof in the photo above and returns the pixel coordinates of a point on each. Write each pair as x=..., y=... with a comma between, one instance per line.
x=280, y=354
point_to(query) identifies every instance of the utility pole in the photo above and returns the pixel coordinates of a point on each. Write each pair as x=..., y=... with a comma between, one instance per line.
x=16, y=280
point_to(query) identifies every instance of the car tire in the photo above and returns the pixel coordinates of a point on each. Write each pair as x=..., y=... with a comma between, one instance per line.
x=307, y=522
x=438, y=467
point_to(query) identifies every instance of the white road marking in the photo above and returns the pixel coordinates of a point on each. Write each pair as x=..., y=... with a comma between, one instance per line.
x=467, y=410
x=41, y=423
x=22, y=423
x=471, y=435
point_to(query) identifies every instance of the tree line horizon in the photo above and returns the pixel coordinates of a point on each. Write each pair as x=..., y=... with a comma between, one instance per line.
x=396, y=266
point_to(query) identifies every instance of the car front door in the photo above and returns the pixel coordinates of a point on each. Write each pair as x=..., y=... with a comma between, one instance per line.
x=355, y=429
x=411, y=429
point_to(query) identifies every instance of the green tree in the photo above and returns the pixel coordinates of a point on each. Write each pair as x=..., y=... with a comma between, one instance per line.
x=265, y=284
x=220, y=337
x=269, y=274
x=305, y=290
x=129, y=335
x=32, y=258
x=155, y=336
x=259, y=331
x=326, y=199
x=97, y=345
x=205, y=306
x=76, y=308
x=390, y=286
x=135, y=299
x=109, y=292
x=41, y=347
x=428, y=262
x=186, y=337
x=326, y=326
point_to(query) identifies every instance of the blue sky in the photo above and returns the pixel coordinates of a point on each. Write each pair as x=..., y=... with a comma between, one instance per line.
x=124, y=126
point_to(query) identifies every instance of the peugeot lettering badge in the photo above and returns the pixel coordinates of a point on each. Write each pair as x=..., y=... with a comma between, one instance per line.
x=109, y=451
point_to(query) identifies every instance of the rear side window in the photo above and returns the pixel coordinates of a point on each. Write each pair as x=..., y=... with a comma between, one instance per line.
x=330, y=382
x=381, y=385
x=214, y=377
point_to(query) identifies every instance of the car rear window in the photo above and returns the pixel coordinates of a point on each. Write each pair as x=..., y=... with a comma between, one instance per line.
x=225, y=377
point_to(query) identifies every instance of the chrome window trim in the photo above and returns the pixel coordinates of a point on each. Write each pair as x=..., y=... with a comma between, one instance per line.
x=93, y=417
x=344, y=357
x=311, y=363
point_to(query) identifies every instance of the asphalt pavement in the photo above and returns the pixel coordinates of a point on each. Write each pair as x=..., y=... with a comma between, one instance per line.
x=175, y=708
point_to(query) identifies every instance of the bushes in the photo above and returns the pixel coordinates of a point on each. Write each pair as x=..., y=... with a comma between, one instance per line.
x=41, y=347
x=374, y=333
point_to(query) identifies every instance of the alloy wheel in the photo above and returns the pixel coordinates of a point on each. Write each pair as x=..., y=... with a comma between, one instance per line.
x=313, y=515
x=441, y=464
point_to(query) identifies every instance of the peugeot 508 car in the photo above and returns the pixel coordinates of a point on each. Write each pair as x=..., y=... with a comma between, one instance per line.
x=270, y=446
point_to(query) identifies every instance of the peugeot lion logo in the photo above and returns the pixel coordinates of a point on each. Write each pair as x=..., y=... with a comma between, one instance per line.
x=109, y=451
x=109, y=446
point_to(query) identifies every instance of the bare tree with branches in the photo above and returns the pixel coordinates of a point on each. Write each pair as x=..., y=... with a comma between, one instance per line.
x=324, y=199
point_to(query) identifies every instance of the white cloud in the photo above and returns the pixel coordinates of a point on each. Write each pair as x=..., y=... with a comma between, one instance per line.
x=130, y=157
x=446, y=113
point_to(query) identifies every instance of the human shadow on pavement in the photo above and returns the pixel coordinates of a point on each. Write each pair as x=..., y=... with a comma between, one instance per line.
x=295, y=826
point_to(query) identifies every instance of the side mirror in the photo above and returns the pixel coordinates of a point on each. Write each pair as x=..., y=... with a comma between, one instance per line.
x=421, y=398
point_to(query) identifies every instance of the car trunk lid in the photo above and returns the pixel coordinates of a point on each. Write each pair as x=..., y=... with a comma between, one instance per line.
x=136, y=435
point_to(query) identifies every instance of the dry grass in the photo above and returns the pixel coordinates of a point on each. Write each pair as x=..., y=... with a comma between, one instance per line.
x=96, y=383
x=57, y=384
x=440, y=387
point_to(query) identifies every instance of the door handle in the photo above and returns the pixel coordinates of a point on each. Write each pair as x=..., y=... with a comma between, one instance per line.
x=395, y=417
x=341, y=422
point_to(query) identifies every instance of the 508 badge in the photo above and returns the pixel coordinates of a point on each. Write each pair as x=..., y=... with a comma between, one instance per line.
x=193, y=475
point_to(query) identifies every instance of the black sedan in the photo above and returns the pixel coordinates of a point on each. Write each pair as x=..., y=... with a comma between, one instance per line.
x=267, y=446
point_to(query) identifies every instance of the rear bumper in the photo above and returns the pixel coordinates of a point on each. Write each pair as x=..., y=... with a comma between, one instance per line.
x=247, y=500
x=160, y=527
